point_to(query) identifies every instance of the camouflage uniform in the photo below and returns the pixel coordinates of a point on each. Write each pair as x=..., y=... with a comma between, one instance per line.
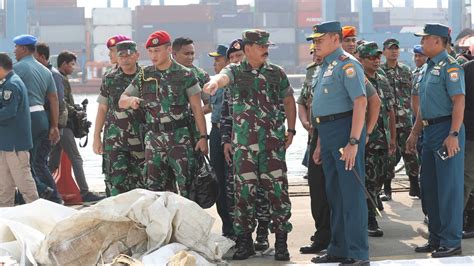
x=202, y=78
x=169, y=143
x=417, y=75
x=123, y=156
x=400, y=79
x=376, y=150
x=258, y=136
x=305, y=98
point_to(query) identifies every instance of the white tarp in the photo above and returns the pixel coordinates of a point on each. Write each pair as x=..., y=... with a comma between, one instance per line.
x=135, y=223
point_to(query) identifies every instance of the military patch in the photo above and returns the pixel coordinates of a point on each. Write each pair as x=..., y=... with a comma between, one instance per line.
x=328, y=73
x=452, y=69
x=343, y=57
x=7, y=95
x=435, y=72
x=350, y=72
x=454, y=76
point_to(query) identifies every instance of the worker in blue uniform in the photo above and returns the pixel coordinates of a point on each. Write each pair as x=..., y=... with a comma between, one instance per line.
x=339, y=106
x=442, y=96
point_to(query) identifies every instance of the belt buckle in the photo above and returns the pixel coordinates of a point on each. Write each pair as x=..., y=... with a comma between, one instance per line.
x=425, y=123
x=317, y=120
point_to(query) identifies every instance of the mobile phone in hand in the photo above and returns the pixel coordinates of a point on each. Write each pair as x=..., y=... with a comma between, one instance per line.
x=443, y=153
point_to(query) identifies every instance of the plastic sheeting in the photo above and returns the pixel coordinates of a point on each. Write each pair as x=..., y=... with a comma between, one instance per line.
x=136, y=223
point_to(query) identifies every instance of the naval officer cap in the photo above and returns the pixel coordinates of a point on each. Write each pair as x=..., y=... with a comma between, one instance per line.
x=320, y=30
x=221, y=50
x=25, y=39
x=434, y=29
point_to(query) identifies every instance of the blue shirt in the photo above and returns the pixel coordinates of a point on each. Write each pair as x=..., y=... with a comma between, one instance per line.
x=442, y=79
x=37, y=78
x=15, y=120
x=216, y=101
x=339, y=82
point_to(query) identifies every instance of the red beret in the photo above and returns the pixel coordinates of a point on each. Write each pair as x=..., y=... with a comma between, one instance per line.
x=158, y=38
x=348, y=31
x=116, y=39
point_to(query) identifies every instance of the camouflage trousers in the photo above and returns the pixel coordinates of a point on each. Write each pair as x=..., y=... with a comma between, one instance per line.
x=412, y=166
x=376, y=169
x=262, y=206
x=123, y=170
x=265, y=170
x=168, y=163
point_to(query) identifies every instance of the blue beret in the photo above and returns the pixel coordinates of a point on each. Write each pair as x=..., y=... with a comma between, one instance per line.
x=418, y=49
x=434, y=29
x=320, y=29
x=25, y=39
x=221, y=50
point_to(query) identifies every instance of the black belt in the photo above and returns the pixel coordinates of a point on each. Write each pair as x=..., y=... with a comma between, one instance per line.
x=170, y=126
x=328, y=118
x=216, y=125
x=429, y=122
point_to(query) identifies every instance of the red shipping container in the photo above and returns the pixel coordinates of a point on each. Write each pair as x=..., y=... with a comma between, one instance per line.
x=308, y=19
x=309, y=5
x=173, y=14
x=55, y=3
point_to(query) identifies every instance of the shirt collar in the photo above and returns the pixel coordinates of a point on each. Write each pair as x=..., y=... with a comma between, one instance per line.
x=437, y=58
x=332, y=56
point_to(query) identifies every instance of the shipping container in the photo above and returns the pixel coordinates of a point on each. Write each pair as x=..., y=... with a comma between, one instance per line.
x=301, y=34
x=349, y=19
x=308, y=19
x=55, y=3
x=275, y=20
x=274, y=6
x=236, y=20
x=283, y=52
x=63, y=34
x=55, y=48
x=198, y=31
x=3, y=21
x=111, y=16
x=277, y=35
x=101, y=53
x=58, y=16
x=101, y=34
x=309, y=5
x=304, y=53
x=173, y=14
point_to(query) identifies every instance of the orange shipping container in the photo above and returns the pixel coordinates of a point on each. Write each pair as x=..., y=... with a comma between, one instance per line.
x=309, y=5
x=308, y=19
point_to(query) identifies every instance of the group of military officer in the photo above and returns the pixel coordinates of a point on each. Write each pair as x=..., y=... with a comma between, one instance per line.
x=357, y=111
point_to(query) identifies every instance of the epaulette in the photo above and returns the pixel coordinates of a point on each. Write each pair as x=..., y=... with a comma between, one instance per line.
x=451, y=60
x=343, y=57
x=311, y=65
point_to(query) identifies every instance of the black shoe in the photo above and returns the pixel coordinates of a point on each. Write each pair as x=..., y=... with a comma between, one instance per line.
x=468, y=229
x=414, y=187
x=468, y=234
x=349, y=261
x=387, y=196
x=47, y=193
x=305, y=176
x=92, y=197
x=379, y=203
x=426, y=220
x=244, y=247
x=326, y=258
x=261, y=241
x=442, y=252
x=281, y=247
x=426, y=248
x=313, y=248
x=374, y=229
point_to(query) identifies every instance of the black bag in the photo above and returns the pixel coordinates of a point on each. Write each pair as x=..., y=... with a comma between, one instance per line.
x=79, y=123
x=204, y=188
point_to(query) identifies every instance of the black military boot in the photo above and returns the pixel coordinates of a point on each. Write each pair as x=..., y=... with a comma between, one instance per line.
x=261, y=241
x=414, y=187
x=281, y=248
x=244, y=247
x=468, y=230
x=374, y=229
x=387, y=188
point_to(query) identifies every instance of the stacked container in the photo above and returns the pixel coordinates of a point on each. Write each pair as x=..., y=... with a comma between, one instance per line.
x=107, y=22
x=61, y=24
x=308, y=14
x=278, y=17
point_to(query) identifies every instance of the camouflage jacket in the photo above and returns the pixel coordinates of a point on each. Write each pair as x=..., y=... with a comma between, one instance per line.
x=417, y=75
x=122, y=127
x=203, y=78
x=257, y=96
x=400, y=79
x=226, y=118
x=306, y=95
x=380, y=137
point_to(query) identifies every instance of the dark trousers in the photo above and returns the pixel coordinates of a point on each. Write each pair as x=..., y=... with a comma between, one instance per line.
x=42, y=169
x=219, y=165
x=442, y=186
x=345, y=194
x=317, y=193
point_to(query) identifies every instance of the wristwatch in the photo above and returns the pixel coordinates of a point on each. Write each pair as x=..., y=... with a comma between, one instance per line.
x=204, y=137
x=454, y=133
x=353, y=141
x=292, y=131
